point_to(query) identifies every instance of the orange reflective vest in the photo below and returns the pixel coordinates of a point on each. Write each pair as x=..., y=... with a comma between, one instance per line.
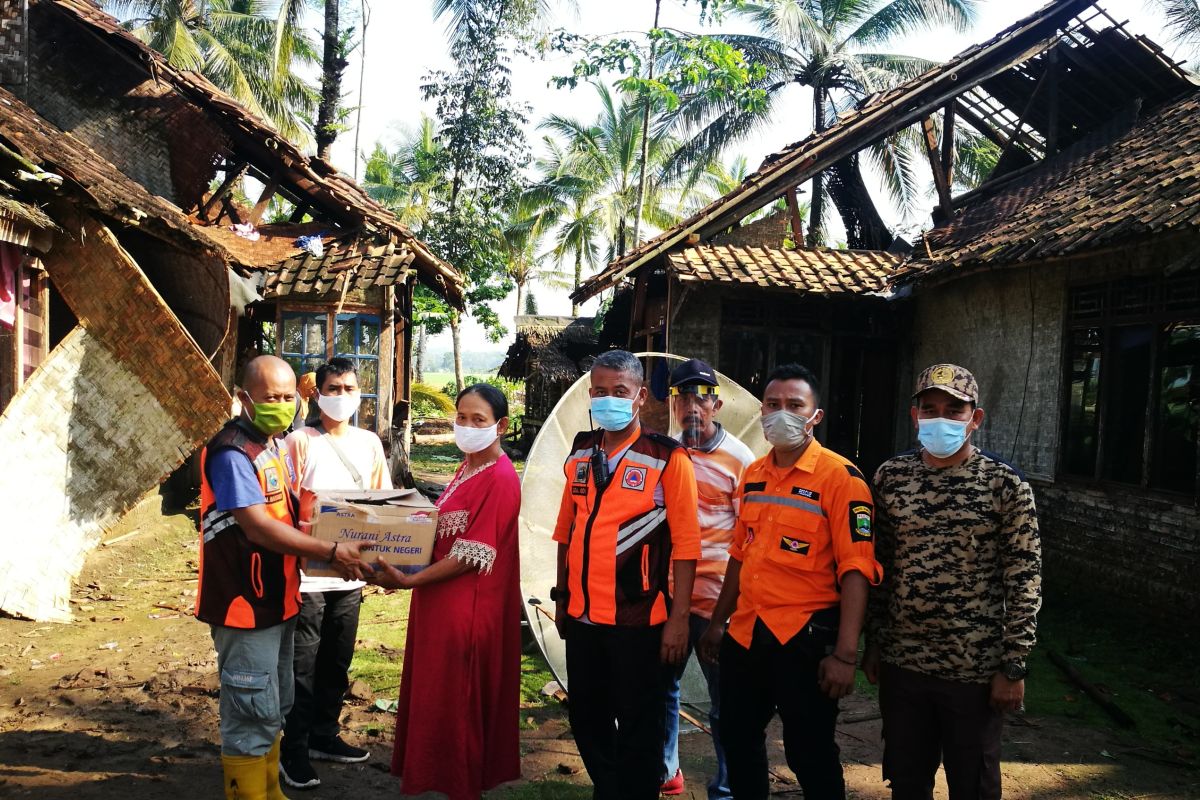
x=619, y=539
x=241, y=584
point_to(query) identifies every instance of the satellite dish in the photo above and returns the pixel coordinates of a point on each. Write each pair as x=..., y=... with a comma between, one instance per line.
x=541, y=494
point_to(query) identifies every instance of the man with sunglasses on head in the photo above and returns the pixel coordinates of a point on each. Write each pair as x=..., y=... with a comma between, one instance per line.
x=718, y=460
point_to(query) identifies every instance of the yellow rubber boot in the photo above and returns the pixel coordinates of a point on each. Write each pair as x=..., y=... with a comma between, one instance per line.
x=245, y=777
x=274, y=791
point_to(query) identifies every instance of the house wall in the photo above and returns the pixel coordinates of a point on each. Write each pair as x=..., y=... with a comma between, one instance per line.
x=1140, y=545
x=984, y=324
x=143, y=128
x=694, y=324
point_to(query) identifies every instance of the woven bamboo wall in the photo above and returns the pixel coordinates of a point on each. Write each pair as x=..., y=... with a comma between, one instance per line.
x=85, y=440
x=117, y=406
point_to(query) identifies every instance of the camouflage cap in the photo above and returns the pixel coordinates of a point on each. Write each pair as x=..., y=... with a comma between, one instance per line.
x=950, y=378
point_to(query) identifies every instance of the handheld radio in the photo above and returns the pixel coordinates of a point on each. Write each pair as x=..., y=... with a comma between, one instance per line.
x=599, y=460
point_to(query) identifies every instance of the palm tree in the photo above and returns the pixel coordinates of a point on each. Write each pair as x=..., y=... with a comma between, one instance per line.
x=567, y=203
x=407, y=179
x=600, y=161
x=521, y=238
x=254, y=57
x=1183, y=21
x=832, y=49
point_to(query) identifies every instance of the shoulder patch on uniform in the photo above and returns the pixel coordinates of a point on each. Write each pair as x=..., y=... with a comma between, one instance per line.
x=855, y=472
x=861, y=517
x=809, y=493
x=757, y=486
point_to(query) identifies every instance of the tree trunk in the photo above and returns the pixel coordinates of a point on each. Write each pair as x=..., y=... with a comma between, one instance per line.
x=419, y=356
x=456, y=338
x=332, y=65
x=645, y=143
x=578, y=280
x=621, y=238
x=865, y=229
x=816, y=228
x=520, y=293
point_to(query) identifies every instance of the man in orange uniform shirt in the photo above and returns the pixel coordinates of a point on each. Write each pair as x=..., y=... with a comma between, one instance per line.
x=627, y=519
x=801, y=560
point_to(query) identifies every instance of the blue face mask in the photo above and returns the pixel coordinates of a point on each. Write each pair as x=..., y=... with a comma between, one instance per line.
x=612, y=413
x=942, y=438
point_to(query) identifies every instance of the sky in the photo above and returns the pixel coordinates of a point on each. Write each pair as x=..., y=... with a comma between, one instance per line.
x=403, y=43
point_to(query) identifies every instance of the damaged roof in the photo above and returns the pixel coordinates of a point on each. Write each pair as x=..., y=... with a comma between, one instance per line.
x=813, y=270
x=1112, y=187
x=1099, y=69
x=35, y=155
x=308, y=180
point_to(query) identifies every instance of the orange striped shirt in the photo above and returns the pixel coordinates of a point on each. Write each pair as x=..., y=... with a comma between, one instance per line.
x=718, y=470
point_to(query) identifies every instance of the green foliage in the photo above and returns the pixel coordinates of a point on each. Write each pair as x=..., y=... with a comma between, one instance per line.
x=510, y=388
x=531, y=306
x=702, y=65
x=428, y=401
x=257, y=57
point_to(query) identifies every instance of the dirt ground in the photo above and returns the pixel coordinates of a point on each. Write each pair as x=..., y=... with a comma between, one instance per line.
x=122, y=703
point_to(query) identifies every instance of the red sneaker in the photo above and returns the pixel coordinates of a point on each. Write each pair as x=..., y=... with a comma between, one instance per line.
x=674, y=786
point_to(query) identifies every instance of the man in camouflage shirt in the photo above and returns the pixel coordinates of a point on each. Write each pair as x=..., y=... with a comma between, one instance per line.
x=954, y=619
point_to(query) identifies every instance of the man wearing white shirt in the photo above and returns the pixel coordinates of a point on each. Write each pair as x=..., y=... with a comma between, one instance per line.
x=339, y=456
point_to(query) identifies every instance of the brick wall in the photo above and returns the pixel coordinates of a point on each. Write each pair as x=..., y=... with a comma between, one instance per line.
x=1135, y=545
x=68, y=489
x=766, y=232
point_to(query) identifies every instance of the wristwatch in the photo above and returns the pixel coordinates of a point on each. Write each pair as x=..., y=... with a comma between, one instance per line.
x=1014, y=670
x=557, y=594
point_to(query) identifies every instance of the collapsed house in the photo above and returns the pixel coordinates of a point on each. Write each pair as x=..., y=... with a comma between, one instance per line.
x=1068, y=281
x=134, y=282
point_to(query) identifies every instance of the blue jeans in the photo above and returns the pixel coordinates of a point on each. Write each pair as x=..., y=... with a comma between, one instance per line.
x=718, y=787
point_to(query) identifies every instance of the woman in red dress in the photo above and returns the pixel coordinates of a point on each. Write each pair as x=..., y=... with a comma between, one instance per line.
x=457, y=721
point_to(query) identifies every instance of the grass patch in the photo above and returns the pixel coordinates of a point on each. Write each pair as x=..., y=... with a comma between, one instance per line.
x=535, y=673
x=1149, y=672
x=435, y=459
x=442, y=459
x=378, y=656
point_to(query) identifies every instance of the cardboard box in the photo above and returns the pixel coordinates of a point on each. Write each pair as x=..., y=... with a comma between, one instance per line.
x=400, y=523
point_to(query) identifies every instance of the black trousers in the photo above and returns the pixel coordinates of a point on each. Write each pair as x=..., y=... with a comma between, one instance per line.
x=618, y=688
x=326, y=630
x=929, y=720
x=770, y=677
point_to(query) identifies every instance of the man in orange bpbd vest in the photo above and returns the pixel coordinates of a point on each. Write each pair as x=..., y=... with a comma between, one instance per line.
x=795, y=594
x=249, y=591
x=628, y=516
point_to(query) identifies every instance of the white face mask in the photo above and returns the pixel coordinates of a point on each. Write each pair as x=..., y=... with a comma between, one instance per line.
x=472, y=440
x=786, y=430
x=339, y=407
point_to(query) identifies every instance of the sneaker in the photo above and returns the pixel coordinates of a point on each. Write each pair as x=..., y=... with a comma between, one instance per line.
x=674, y=786
x=296, y=772
x=334, y=749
